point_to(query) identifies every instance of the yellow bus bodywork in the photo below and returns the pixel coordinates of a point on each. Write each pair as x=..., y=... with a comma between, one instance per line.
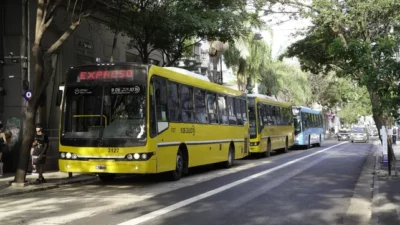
x=276, y=135
x=205, y=143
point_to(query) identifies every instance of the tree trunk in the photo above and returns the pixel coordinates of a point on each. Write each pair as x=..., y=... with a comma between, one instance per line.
x=29, y=123
x=28, y=134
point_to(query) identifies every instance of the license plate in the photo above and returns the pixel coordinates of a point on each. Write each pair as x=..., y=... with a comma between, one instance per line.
x=100, y=167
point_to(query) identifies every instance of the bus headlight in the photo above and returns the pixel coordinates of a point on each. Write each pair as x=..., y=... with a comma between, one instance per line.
x=74, y=156
x=136, y=156
x=254, y=143
x=129, y=156
x=144, y=156
x=68, y=155
x=62, y=155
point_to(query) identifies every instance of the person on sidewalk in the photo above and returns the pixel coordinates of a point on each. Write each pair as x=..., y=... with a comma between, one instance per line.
x=5, y=138
x=41, y=144
x=394, y=136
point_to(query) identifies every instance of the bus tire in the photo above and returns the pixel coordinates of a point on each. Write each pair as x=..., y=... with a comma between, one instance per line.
x=231, y=157
x=179, y=167
x=106, y=177
x=309, y=142
x=320, y=141
x=286, y=149
x=268, y=152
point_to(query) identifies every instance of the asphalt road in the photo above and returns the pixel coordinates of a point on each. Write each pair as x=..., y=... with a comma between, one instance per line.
x=311, y=186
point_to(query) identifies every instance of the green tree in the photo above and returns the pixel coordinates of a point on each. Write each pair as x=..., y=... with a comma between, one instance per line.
x=285, y=81
x=358, y=40
x=169, y=25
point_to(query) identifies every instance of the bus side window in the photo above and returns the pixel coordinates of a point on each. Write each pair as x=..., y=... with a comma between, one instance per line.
x=187, y=104
x=274, y=115
x=212, y=107
x=231, y=111
x=260, y=117
x=238, y=111
x=173, y=103
x=159, y=120
x=244, y=110
x=223, y=112
x=200, y=106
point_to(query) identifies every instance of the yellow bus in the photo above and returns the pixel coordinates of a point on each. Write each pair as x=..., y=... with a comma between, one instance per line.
x=271, y=125
x=140, y=119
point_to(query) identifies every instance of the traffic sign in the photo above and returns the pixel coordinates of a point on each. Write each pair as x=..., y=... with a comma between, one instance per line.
x=28, y=95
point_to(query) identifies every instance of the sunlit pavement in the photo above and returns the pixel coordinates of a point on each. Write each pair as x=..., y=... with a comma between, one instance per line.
x=313, y=186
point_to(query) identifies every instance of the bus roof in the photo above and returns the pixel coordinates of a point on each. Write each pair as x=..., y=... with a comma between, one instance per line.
x=268, y=99
x=188, y=73
x=189, y=78
x=308, y=110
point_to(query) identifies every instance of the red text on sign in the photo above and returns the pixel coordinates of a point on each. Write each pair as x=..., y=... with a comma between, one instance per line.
x=106, y=75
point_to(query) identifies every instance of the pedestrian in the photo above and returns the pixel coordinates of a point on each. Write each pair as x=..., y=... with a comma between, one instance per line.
x=40, y=145
x=5, y=138
x=394, y=136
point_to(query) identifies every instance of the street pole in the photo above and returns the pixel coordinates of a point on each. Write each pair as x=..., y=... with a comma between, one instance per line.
x=114, y=46
x=389, y=156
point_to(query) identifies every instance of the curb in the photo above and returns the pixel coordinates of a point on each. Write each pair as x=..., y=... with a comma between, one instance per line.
x=359, y=209
x=375, y=190
x=49, y=186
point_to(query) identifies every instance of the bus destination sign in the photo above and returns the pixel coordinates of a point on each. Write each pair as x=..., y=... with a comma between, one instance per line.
x=105, y=75
x=125, y=90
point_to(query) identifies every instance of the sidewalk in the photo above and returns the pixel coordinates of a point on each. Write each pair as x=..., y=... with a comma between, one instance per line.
x=54, y=180
x=386, y=192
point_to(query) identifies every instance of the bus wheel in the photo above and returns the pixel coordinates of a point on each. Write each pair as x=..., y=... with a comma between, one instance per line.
x=309, y=142
x=286, y=149
x=320, y=141
x=268, y=152
x=231, y=158
x=107, y=177
x=178, y=172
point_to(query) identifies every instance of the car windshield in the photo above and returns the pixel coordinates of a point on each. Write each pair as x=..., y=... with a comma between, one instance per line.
x=343, y=131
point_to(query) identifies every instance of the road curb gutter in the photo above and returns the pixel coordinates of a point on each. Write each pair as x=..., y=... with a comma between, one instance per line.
x=25, y=190
x=375, y=191
x=359, y=210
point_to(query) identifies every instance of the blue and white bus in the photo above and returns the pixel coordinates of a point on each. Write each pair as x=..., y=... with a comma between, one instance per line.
x=308, y=126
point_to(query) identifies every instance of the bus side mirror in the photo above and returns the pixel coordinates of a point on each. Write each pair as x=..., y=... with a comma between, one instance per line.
x=59, y=97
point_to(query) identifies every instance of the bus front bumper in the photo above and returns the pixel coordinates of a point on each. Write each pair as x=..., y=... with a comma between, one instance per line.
x=124, y=167
x=255, y=149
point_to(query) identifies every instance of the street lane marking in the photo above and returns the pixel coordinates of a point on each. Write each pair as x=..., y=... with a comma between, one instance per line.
x=165, y=210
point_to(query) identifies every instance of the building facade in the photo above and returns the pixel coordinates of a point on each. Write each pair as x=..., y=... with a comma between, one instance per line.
x=90, y=43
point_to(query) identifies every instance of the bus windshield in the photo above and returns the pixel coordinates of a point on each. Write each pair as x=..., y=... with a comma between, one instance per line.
x=296, y=121
x=105, y=111
x=104, y=103
x=252, y=117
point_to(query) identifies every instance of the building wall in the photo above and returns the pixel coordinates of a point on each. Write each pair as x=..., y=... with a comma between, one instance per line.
x=91, y=40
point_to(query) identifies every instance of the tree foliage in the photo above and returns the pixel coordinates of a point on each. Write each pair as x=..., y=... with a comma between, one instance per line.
x=357, y=40
x=168, y=25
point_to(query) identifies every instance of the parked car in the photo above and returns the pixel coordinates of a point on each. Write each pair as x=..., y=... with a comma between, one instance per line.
x=343, y=135
x=359, y=134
